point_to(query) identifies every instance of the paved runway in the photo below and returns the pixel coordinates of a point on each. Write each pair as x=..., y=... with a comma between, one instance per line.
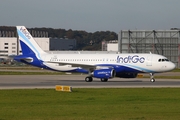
x=77, y=81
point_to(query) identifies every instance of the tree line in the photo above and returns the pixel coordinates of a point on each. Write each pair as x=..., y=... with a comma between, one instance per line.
x=85, y=40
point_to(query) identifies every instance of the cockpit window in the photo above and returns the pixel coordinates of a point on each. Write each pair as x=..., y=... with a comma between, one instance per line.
x=166, y=59
x=163, y=60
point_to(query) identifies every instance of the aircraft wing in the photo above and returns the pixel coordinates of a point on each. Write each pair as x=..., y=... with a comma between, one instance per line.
x=82, y=65
x=74, y=64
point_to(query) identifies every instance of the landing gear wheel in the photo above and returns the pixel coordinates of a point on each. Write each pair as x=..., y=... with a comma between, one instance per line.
x=152, y=80
x=88, y=79
x=104, y=79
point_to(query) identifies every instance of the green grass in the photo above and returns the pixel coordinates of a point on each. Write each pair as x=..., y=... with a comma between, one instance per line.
x=20, y=68
x=91, y=104
x=29, y=73
x=34, y=73
x=176, y=70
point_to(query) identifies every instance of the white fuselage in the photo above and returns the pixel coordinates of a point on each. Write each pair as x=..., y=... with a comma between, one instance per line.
x=141, y=62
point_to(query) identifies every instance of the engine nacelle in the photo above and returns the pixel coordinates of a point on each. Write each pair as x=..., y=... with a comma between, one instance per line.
x=126, y=75
x=104, y=73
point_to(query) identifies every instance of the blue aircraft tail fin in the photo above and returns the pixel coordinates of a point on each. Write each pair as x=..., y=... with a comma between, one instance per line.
x=27, y=42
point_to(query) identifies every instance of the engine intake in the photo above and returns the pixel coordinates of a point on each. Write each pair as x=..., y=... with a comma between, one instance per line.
x=104, y=73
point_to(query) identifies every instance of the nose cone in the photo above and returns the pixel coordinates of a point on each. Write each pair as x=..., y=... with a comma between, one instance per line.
x=171, y=66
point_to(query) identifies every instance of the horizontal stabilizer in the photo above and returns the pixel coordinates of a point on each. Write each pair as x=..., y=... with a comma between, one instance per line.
x=23, y=58
x=28, y=59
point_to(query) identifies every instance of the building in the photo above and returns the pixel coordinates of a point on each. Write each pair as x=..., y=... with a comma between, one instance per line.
x=9, y=44
x=110, y=46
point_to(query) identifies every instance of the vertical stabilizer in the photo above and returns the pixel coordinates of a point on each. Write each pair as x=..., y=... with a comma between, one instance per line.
x=27, y=42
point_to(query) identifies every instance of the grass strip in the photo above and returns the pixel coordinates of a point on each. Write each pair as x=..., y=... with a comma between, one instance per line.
x=91, y=104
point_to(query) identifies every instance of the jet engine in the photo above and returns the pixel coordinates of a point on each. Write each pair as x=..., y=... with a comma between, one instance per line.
x=104, y=73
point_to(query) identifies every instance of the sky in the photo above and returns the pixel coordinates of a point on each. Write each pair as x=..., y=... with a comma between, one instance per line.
x=92, y=15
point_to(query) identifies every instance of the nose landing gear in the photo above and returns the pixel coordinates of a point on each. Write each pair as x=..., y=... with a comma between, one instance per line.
x=152, y=77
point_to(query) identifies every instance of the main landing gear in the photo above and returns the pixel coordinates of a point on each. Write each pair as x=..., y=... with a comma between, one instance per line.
x=104, y=79
x=152, y=77
x=90, y=79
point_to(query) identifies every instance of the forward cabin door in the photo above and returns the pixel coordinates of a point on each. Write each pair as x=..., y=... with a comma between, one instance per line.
x=149, y=60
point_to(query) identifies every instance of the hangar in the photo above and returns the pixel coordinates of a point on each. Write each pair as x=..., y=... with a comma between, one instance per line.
x=164, y=42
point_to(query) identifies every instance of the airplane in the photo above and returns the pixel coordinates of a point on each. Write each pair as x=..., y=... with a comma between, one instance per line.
x=102, y=66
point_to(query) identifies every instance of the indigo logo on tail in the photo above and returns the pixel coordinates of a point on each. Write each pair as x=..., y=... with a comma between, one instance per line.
x=26, y=33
